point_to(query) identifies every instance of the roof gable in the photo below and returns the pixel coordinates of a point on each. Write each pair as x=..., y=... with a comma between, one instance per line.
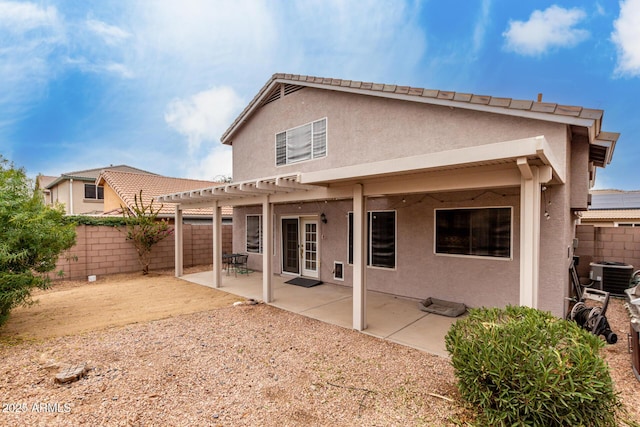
x=584, y=123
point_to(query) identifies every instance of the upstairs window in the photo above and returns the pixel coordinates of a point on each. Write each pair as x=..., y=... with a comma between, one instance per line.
x=481, y=232
x=92, y=191
x=302, y=143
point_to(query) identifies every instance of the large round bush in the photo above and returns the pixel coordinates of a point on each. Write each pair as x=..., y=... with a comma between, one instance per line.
x=521, y=366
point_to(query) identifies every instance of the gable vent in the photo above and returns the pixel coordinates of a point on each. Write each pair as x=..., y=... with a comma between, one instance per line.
x=289, y=89
x=273, y=96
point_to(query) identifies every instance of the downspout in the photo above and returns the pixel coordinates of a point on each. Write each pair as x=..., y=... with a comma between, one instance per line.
x=71, y=196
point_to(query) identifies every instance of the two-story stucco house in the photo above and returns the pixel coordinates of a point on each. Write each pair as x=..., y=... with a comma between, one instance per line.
x=413, y=192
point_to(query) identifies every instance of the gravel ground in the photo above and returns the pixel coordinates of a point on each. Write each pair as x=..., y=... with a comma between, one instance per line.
x=245, y=366
x=248, y=365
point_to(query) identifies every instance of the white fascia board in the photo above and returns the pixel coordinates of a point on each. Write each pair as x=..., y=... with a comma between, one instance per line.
x=527, y=147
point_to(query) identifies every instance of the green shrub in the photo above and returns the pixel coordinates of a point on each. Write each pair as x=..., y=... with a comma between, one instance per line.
x=521, y=366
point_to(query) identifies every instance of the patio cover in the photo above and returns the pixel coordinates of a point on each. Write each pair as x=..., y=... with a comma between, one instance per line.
x=527, y=163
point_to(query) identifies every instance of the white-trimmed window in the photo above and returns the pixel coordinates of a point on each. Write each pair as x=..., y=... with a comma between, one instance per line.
x=480, y=232
x=302, y=143
x=92, y=191
x=254, y=233
x=381, y=239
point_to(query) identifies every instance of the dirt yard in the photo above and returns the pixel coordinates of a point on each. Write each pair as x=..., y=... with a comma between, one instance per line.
x=162, y=351
x=73, y=307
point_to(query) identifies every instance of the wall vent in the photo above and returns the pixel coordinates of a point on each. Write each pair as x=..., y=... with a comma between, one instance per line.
x=273, y=96
x=289, y=89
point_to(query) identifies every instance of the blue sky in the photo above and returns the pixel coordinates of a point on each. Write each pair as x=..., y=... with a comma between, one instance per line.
x=154, y=83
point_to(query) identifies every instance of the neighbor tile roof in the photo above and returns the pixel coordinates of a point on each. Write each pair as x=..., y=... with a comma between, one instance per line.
x=407, y=92
x=127, y=185
x=92, y=174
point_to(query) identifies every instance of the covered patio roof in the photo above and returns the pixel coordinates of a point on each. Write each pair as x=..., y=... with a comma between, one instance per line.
x=493, y=165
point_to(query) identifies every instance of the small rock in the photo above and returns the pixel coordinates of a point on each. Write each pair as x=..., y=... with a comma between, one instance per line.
x=71, y=373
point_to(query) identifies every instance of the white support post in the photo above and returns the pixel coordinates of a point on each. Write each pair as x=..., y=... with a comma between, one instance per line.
x=529, y=235
x=217, y=245
x=179, y=254
x=359, y=280
x=267, y=250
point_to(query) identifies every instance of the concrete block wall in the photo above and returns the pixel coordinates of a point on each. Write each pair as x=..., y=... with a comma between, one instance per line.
x=617, y=244
x=101, y=250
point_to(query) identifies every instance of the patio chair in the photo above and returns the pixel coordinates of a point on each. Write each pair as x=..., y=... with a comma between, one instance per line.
x=227, y=262
x=240, y=264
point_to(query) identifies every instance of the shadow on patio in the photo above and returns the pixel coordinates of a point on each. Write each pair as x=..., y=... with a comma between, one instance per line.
x=388, y=317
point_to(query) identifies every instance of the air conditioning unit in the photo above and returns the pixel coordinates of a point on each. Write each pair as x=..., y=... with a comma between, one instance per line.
x=610, y=276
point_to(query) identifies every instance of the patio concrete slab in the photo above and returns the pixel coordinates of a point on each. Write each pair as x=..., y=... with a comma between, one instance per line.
x=387, y=314
x=389, y=317
x=427, y=334
x=299, y=299
x=338, y=312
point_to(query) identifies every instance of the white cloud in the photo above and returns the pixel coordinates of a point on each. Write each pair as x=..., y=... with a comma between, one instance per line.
x=553, y=27
x=110, y=34
x=29, y=37
x=480, y=28
x=215, y=164
x=19, y=18
x=205, y=115
x=626, y=36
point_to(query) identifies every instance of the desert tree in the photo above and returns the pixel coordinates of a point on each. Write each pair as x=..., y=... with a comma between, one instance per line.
x=32, y=238
x=144, y=229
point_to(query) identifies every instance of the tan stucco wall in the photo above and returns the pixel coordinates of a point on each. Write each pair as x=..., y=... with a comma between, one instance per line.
x=419, y=272
x=60, y=194
x=111, y=199
x=363, y=129
x=579, y=174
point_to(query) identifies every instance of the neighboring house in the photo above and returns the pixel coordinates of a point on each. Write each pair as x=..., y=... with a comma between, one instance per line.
x=42, y=181
x=413, y=192
x=122, y=187
x=612, y=208
x=78, y=191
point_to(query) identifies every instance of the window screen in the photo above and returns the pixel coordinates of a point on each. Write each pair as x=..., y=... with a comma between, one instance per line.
x=474, y=231
x=302, y=143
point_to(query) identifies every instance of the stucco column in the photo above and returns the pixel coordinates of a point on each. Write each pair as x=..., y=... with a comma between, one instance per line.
x=530, y=196
x=217, y=245
x=267, y=250
x=178, y=238
x=359, y=282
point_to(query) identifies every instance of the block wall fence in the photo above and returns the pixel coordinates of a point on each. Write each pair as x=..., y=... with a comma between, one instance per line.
x=104, y=250
x=618, y=244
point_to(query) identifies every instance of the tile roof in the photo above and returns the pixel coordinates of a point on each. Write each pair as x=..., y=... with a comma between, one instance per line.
x=127, y=185
x=92, y=174
x=542, y=110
